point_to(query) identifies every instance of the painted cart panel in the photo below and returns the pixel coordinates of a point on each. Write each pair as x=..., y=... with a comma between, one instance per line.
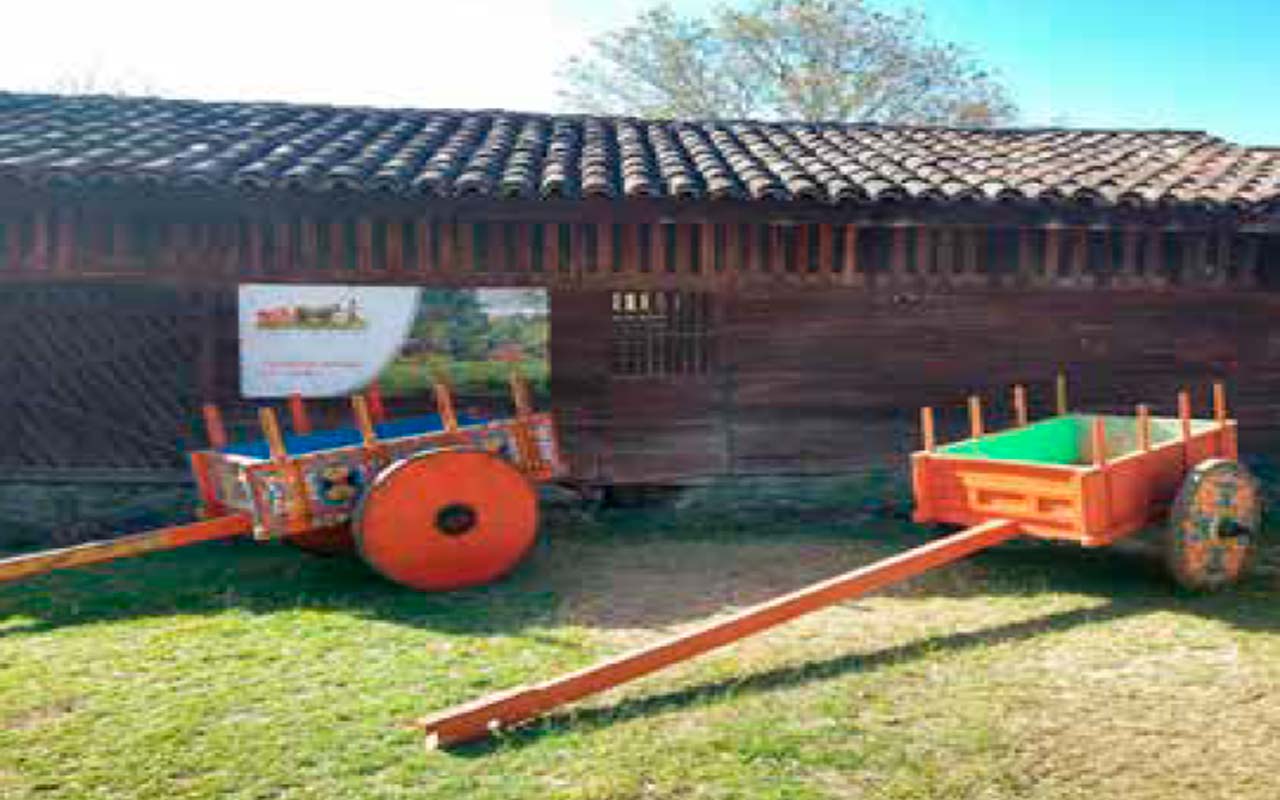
x=326, y=473
x=1087, y=478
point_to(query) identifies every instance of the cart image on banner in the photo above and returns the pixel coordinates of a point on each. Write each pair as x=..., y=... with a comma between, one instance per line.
x=334, y=340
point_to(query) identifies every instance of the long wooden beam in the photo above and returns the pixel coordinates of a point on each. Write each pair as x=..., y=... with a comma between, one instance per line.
x=28, y=566
x=479, y=718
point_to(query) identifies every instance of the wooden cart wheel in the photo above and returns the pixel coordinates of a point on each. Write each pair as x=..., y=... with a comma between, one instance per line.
x=1214, y=525
x=446, y=520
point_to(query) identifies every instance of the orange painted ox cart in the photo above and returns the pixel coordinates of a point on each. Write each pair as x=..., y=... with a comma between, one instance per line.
x=434, y=502
x=1087, y=478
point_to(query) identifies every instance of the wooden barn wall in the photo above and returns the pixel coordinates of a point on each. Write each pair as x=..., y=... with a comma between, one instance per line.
x=839, y=384
x=814, y=342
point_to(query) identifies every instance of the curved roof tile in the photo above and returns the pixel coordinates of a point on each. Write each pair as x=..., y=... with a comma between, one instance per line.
x=95, y=140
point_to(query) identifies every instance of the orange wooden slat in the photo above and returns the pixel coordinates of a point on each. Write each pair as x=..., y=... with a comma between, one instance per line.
x=254, y=245
x=708, y=236
x=337, y=246
x=630, y=251
x=604, y=250
x=364, y=246
x=657, y=248
x=64, y=240
x=393, y=229
x=38, y=258
x=424, y=234
x=850, y=276
x=465, y=237
x=523, y=262
x=1052, y=253
x=898, y=252
x=309, y=247
x=448, y=256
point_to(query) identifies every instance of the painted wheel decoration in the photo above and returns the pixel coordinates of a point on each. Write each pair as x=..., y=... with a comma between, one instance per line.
x=1213, y=527
x=446, y=520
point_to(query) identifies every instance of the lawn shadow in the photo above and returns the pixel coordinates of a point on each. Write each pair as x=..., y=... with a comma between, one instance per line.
x=642, y=570
x=796, y=675
x=261, y=578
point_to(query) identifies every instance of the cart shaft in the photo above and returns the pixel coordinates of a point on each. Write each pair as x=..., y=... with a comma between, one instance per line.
x=476, y=719
x=27, y=566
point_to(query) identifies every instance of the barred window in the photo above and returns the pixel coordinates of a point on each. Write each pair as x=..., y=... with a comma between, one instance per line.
x=658, y=333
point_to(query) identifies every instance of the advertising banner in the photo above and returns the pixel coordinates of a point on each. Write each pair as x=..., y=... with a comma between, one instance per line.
x=333, y=340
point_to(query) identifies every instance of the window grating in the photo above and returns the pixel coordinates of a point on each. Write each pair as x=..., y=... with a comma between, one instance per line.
x=661, y=333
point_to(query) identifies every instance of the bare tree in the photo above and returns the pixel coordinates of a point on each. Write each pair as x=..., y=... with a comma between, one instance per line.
x=795, y=59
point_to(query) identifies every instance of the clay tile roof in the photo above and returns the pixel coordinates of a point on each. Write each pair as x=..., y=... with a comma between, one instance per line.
x=92, y=140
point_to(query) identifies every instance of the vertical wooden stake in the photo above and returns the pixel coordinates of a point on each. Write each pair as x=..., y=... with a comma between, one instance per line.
x=975, y=417
x=271, y=432
x=1220, y=402
x=1184, y=413
x=528, y=451
x=213, y=426
x=376, y=409
x=1144, y=428
x=1020, y=405
x=295, y=495
x=1184, y=418
x=926, y=429
x=1062, y=394
x=298, y=414
x=364, y=420
x=444, y=401
x=1099, y=441
x=520, y=392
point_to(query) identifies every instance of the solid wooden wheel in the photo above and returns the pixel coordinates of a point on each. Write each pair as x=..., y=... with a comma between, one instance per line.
x=1214, y=525
x=446, y=520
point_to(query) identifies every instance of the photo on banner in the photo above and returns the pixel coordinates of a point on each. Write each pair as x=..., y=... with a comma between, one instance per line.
x=334, y=340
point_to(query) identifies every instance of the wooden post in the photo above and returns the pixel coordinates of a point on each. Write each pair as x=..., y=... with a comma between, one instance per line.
x=1144, y=428
x=1184, y=413
x=525, y=447
x=926, y=429
x=1062, y=394
x=214, y=429
x=1098, y=439
x=1184, y=420
x=1225, y=441
x=975, y=417
x=364, y=420
x=520, y=392
x=444, y=401
x=1220, y=403
x=376, y=409
x=271, y=432
x=298, y=414
x=1020, y=405
x=295, y=500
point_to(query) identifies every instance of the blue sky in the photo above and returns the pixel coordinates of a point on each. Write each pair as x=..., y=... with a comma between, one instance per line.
x=1202, y=64
x=1211, y=65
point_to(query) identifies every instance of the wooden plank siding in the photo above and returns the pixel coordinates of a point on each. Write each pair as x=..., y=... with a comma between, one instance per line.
x=74, y=243
x=818, y=341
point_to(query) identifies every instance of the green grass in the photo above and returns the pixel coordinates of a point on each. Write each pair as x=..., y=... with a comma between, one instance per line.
x=254, y=671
